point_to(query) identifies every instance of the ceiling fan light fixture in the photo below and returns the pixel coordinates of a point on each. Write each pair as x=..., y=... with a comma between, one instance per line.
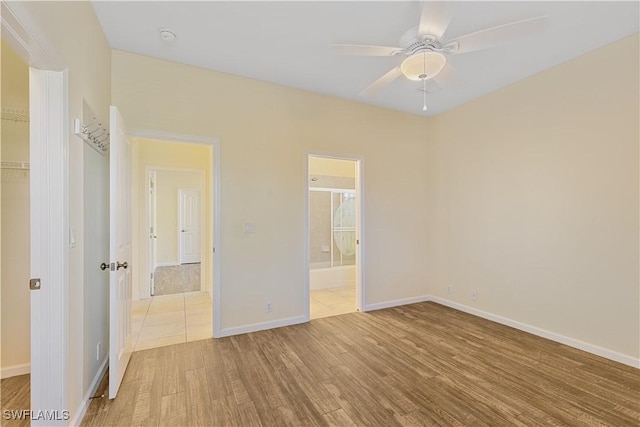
x=423, y=65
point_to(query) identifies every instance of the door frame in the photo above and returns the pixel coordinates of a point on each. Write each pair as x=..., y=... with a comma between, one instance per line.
x=200, y=214
x=360, y=216
x=214, y=204
x=49, y=193
x=148, y=170
x=152, y=223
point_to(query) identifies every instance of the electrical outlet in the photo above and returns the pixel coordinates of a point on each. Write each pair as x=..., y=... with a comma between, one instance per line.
x=98, y=351
x=267, y=307
x=449, y=290
x=474, y=296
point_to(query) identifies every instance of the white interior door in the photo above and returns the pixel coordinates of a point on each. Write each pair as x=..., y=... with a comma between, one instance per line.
x=189, y=225
x=120, y=292
x=153, y=236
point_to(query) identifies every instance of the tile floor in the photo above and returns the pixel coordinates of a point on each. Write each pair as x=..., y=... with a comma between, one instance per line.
x=171, y=319
x=333, y=301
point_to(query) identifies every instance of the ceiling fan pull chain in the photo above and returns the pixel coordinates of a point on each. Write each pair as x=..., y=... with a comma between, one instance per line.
x=424, y=94
x=424, y=83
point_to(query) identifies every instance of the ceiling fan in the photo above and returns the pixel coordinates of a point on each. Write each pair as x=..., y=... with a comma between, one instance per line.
x=424, y=49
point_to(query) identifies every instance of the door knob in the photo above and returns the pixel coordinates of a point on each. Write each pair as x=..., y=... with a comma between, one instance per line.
x=183, y=230
x=104, y=266
x=121, y=265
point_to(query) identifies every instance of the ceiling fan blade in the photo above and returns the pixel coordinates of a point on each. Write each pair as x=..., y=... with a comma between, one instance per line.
x=374, y=87
x=446, y=77
x=435, y=18
x=431, y=86
x=494, y=36
x=363, y=50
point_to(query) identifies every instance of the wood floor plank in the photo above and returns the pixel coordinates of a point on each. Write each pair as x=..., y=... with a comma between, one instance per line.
x=15, y=396
x=415, y=365
x=174, y=409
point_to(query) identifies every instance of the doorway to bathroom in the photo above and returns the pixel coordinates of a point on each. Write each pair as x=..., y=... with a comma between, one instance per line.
x=334, y=235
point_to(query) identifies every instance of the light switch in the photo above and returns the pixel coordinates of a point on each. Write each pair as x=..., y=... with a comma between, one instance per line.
x=249, y=228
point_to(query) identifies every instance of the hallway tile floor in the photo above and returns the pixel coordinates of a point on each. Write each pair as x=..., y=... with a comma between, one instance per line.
x=172, y=319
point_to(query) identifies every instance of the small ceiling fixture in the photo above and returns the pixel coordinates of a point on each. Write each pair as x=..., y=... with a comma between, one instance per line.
x=167, y=35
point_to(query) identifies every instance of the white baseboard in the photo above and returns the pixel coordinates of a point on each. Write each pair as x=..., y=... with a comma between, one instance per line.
x=84, y=405
x=395, y=303
x=16, y=370
x=255, y=327
x=562, y=339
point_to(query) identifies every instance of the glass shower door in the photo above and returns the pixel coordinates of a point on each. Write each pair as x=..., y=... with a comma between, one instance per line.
x=343, y=227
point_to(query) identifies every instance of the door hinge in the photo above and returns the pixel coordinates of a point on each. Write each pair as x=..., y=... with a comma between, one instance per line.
x=34, y=284
x=357, y=241
x=151, y=276
x=214, y=250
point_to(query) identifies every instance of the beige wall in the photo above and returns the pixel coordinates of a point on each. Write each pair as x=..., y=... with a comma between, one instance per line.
x=76, y=36
x=153, y=154
x=265, y=131
x=533, y=200
x=14, y=231
x=169, y=183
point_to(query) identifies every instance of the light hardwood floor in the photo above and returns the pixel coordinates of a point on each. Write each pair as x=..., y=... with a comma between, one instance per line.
x=421, y=364
x=15, y=396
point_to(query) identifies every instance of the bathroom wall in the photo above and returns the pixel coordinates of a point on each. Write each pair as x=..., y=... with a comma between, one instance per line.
x=14, y=231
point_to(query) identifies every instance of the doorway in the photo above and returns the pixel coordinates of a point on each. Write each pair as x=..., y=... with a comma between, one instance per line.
x=173, y=217
x=333, y=233
x=16, y=231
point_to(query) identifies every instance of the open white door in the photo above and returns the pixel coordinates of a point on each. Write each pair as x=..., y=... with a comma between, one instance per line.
x=120, y=293
x=189, y=201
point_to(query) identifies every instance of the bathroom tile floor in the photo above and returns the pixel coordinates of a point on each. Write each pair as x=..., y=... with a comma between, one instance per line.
x=333, y=301
x=171, y=319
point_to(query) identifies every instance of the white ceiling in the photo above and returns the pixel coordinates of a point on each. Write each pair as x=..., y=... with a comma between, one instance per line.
x=286, y=42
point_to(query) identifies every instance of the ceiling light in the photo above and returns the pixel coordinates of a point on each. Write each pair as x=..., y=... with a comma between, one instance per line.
x=167, y=35
x=423, y=65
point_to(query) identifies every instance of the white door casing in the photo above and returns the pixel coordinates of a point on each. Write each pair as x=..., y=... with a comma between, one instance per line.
x=120, y=292
x=189, y=225
x=153, y=236
x=49, y=223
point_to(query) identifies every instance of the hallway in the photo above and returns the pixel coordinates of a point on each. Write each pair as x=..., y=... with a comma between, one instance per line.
x=172, y=319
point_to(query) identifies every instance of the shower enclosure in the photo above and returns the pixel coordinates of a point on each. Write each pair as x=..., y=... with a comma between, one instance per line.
x=332, y=227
